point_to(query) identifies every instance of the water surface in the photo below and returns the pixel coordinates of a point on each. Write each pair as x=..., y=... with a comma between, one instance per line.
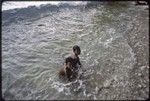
x=34, y=48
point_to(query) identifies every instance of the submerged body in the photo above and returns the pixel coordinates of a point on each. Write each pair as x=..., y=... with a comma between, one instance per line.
x=63, y=73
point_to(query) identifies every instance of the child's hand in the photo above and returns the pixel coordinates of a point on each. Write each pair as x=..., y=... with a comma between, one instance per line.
x=80, y=65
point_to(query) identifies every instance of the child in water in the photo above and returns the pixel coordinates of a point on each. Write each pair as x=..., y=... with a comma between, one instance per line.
x=72, y=64
x=76, y=60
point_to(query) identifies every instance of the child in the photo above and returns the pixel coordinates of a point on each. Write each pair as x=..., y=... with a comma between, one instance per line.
x=76, y=59
x=71, y=67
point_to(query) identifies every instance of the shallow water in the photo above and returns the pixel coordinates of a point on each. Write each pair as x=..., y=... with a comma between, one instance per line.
x=33, y=51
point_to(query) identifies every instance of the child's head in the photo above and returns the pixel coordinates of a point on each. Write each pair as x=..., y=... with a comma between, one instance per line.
x=76, y=50
x=68, y=62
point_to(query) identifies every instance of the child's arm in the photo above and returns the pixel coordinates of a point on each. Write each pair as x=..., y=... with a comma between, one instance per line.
x=79, y=62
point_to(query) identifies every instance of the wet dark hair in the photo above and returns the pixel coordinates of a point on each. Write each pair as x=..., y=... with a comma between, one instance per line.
x=69, y=59
x=76, y=47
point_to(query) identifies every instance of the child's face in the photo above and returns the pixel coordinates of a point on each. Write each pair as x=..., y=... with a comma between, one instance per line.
x=77, y=52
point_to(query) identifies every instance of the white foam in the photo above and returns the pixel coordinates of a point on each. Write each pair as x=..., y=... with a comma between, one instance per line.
x=7, y=5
